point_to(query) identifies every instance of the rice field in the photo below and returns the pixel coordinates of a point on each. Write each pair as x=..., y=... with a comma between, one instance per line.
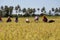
x=30, y=31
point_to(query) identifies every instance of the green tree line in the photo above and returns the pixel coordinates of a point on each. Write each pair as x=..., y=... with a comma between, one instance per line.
x=6, y=11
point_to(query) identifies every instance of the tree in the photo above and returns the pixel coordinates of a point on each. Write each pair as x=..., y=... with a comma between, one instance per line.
x=56, y=10
x=24, y=10
x=30, y=11
x=59, y=9
x=0, y=12
x=19, y=8
x=43, y=9
x=10, y=10
x=16, y=8
x=6, y=9
x=38, y=10
x=33, y=10
x=49, y=12
x=53, y=9
x=2, y=7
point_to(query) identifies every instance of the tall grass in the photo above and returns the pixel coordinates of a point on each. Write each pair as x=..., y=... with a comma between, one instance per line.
x=30, y=31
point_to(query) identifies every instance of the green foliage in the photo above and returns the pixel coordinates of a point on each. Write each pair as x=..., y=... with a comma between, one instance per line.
x=6, y=11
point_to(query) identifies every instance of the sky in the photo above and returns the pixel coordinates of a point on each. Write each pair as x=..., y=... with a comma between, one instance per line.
x=48, y=4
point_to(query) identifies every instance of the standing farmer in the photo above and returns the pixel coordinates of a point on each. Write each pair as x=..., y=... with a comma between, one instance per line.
x=16, y=19
x=27, y=20
x=0, y=19
x=9, y=19
x=36, y=19
x=45, y=19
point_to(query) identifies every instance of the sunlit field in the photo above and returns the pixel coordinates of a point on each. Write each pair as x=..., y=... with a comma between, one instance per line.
x=30, y=31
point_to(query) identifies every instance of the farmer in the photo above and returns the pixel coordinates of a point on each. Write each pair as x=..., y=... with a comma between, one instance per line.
x=27, y=20
x=16, y=19
x=45, y=19
x=9, y=19
x=0, y=19
x=36, y=19
x=50, y=21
